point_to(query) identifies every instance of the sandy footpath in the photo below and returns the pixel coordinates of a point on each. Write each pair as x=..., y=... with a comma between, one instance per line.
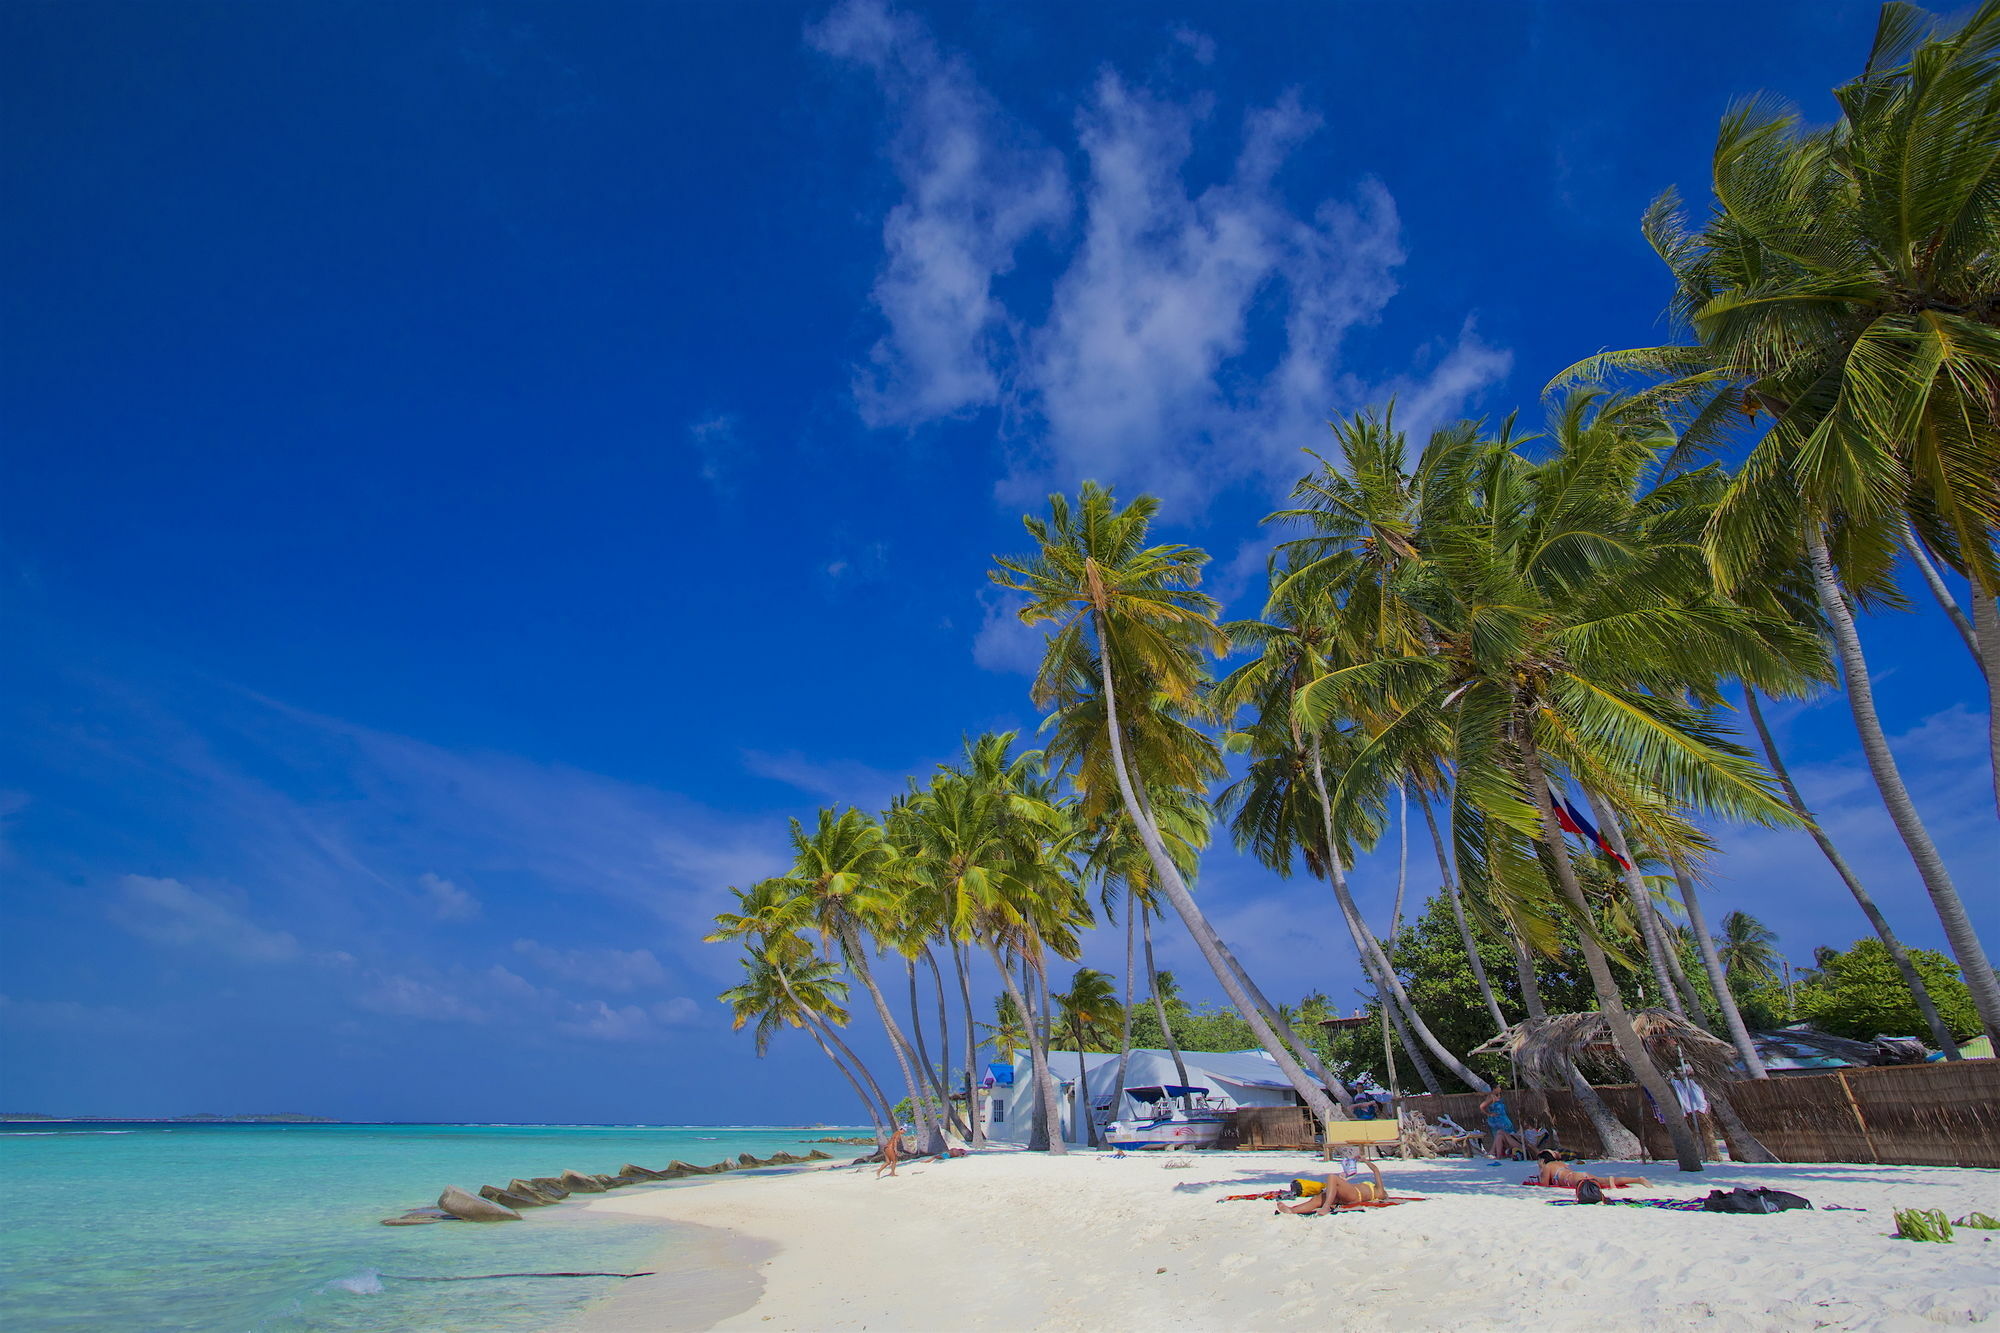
x=1015, y=1240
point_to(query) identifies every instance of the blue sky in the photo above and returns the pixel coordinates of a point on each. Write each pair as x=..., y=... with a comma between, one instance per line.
x=474, y=472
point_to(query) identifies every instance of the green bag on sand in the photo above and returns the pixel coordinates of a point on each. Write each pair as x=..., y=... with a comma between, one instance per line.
x=1923, y=1224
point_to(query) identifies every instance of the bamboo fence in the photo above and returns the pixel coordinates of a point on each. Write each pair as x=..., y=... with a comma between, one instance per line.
x=1938, y=1114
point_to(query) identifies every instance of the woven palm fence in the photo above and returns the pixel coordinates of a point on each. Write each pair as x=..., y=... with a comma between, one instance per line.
x=1941, y=1114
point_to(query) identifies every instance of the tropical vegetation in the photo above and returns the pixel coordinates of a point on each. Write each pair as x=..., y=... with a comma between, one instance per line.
x=1525, y=656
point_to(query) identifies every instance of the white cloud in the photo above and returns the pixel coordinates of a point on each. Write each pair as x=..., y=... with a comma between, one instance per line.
x=619, y=970
x=400, y=996
x=598, y=1021
x=975, y=188
x=447, y=902
x=166, y=911
x=717, y=442
x=1003, y=643
x=1193, y=334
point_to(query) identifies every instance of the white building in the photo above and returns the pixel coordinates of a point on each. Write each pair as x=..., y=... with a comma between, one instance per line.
x=1229, y=1079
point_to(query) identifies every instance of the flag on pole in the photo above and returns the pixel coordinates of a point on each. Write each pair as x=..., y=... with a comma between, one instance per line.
x=1573, y=821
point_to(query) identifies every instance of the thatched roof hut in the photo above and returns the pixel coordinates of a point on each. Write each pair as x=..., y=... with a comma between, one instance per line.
x=1541, y=1051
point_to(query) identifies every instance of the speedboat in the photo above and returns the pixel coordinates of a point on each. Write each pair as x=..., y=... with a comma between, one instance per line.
x=1164, y=1117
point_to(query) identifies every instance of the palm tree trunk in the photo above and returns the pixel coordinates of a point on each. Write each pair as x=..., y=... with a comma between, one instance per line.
x=930, y=1137
x=971, y=1051
x=885, y=1115
x=1083, y=1094
x=1718, y=980
x=1125, y=1021
x=943, y=1078
x=1630, y=1049
x=1965, y=945
x=1038, y=1055
x=1464, y=928
x=1749, y=1148
x=1986, y=630
x=1697, y=1012
x=1402, y=859
x=1642, y=902
x=1915, y=546
x=1411, y=1048
x=1045, y=1023
x=874, y=1116
x=1385, y=973
x=926, y=1071
x=1300, y=1046
x=1617, y=1141
x=1901, y=956
x=1159, y=1001
x=1198, y=927
x=823, y=1028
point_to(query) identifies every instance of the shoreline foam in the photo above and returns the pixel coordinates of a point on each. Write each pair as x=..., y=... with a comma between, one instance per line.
x=1017, y=1240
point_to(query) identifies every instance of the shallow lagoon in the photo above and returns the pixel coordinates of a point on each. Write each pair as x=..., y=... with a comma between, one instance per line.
x=276, y=1227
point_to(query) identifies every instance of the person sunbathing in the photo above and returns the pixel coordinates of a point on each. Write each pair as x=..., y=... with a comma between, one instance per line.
x=1557, y=1173
x=1339, y=1192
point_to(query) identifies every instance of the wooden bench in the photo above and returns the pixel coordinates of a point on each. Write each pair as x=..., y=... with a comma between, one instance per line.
x=1368, y=1135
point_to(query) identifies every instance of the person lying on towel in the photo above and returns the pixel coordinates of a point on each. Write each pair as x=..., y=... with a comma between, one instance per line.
x=1339, y=1192
x=1558, y=1174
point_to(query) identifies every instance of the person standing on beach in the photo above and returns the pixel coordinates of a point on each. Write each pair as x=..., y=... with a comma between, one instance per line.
x=892, y=1152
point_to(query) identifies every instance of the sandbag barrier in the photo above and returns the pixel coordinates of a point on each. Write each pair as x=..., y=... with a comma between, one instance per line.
x=503, y=1203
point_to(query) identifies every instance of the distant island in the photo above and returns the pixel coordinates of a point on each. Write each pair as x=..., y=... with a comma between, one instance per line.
x=275, y=1117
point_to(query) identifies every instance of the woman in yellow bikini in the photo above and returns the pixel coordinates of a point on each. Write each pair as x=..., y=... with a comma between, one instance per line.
x=1338, y=1192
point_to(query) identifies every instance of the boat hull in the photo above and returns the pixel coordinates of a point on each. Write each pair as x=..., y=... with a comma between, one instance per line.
x=1130, y=1136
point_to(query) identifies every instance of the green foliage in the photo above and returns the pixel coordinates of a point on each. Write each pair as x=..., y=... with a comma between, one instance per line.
x=1858, y=994
x=1430, y=959
x=1088, y=1015
x=1923, y=1224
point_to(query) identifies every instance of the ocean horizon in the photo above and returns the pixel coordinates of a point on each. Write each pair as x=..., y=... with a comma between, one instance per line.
x=269, y=1227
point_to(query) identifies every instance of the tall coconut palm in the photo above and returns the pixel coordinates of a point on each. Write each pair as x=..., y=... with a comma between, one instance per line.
x=1086, y=1012
x=805, y=999
x=1132, y=607
x=1749, y=950
x=1565, y=649
x=844, y=867
x=767, y=918
x=1846, y=289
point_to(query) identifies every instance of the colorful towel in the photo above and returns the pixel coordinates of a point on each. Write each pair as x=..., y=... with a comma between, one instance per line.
x=1672, y=1205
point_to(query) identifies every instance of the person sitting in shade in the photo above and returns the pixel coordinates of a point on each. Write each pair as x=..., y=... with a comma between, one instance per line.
x=1340, y=1192
x=1506, y=1142
x=1555, y=1172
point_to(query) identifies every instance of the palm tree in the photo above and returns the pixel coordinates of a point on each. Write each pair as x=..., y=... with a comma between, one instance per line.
x=1130, y=608
x=844, y=869
x=1566, y=648
x=1747, y=949
x=1847, y=288
x=767, y=919
x=809, y=996
x=1088, y=1009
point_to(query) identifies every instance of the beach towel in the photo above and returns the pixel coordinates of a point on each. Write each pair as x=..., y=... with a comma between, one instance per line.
x=1673, y=1205
x=1269, y=1195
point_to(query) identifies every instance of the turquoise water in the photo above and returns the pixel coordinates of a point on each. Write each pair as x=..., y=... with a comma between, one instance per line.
x=274, y=1228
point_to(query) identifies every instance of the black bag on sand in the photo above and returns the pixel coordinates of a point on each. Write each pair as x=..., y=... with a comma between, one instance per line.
x=1751, y=1201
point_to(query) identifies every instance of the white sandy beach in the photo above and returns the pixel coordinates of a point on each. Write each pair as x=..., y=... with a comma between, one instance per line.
x=1016, y=1240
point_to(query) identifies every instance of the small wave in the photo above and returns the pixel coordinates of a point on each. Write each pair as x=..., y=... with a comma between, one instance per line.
x=368, y=1282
